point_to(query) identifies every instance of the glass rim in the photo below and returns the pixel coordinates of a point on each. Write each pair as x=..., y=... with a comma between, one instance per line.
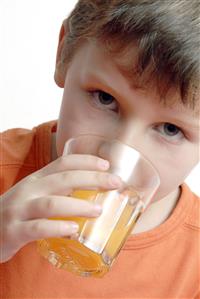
x=121, y=142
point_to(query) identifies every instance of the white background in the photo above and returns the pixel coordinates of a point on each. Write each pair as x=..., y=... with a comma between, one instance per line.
x=29, y=33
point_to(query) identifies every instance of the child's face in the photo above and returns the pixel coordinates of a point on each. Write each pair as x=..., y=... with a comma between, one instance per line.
x=132, y=115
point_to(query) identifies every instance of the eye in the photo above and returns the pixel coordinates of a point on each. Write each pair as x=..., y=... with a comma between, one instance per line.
x=104, y=100
x=170, y=131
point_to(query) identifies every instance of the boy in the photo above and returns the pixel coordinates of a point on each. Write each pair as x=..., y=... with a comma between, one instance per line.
x=130, y=70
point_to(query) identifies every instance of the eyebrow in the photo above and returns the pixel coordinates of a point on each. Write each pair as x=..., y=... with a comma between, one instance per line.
x=136, y=81
x=186, y=124
x=132, y=76
x=137, y=86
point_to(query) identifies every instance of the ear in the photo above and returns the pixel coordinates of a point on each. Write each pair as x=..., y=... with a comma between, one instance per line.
x=59, y=75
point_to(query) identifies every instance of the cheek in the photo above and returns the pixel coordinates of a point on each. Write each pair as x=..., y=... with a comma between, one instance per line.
x=77, y=117
x=174, y=168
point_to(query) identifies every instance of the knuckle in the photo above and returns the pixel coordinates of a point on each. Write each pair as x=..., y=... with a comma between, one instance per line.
x=35, y=228
x=100, y=178
x=27, y=231
x=50, y=204
x=9, y=213
x=66, y=175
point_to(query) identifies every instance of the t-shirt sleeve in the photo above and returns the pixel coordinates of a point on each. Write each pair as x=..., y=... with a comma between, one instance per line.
x=16, y=156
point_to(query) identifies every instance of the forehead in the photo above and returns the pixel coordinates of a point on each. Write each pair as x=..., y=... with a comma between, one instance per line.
x=127, y=63
x=97, y=59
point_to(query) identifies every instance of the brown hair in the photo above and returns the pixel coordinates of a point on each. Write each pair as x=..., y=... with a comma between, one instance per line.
x=166, y=32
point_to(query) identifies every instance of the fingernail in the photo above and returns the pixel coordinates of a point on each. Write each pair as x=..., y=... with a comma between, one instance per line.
x=97, y=210
x=104, y=164
x=115, y=181
x=74, y=227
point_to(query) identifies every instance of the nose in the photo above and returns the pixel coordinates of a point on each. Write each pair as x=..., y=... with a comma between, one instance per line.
x=132, y=132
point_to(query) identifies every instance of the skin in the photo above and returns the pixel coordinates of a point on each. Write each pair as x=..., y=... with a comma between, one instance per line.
x=135, y=116
x=100, y=99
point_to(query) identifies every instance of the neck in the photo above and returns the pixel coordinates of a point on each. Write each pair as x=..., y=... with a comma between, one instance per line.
x=157, y=212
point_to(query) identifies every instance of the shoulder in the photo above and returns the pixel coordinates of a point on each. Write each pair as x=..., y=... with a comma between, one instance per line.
x=21, y=145
x=16, y=156
x=23, y=151
x=15, y=145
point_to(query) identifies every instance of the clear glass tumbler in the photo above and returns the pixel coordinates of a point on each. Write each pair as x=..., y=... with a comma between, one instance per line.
x=92, y=251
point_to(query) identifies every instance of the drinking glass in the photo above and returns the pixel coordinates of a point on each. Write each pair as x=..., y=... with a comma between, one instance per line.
x=93, y=250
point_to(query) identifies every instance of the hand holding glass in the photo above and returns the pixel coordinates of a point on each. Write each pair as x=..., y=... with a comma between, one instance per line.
x=99, y=240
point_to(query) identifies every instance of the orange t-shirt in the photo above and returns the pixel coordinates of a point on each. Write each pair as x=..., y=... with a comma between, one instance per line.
x=163, y=262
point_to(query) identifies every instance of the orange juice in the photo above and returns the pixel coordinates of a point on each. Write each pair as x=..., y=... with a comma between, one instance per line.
x=99, y=240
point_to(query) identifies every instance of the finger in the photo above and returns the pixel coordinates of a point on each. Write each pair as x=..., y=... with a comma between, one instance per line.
x=64, y=182
x=111, y=151
x=58, y=206
x=72, y=162
x=38, y=229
